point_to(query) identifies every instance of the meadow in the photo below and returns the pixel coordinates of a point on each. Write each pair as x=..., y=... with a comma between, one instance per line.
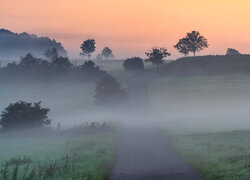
x=205, y=121
x=57, y=155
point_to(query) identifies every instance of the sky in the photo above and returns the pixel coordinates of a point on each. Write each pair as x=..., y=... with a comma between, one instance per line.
x=131, y=27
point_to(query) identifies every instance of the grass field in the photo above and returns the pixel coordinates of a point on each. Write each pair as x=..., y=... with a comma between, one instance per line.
x=206, y=121
x=217, y=156
x=57, y=156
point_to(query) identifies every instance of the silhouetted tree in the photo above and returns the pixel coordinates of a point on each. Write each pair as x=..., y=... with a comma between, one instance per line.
x=183, y=46
x=107, y=53
x=29, y=61
x=88, y=47
x=156, y=55
x=194, y=42
x=61, y=64
x=133, y=64
x=232, y=52
x=108, y=91
x=24, y=115
x=51, y=54
x=89, y=66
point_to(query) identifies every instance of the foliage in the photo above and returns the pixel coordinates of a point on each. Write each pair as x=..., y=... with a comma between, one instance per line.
x=107, y=53
x=182, y=46
x=29, y=61
x=193, y=42
x=156, y=55
x=51, y=54
x=108, y=91
x=232, y=52
x=133, y=64
x=88, y=47
x=18, y=44
x=24, y=115
x=33, y=68
x=61, y=64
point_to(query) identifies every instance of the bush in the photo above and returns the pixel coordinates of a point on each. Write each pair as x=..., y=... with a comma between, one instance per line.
x=108, y=91
x=22, y=115
x=133, y=64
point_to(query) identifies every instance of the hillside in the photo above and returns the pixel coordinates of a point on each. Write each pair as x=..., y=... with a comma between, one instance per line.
x=14, y=45
x=205, y=65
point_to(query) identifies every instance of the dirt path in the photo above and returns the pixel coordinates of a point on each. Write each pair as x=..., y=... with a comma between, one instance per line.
x=142, y=155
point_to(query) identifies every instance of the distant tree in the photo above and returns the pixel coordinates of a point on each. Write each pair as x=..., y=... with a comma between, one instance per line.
x=29, y=61
x=156, y=55
x=193, y=42
x=108, y=91
x=88, y=47
x=14, y=45
x=107, y=53
x=61, y=64
x=89, y=66
x=133, y=64
x=24, y=115
x=99, y=57
x=183, y=46
x=232, y=52
x=51, y=54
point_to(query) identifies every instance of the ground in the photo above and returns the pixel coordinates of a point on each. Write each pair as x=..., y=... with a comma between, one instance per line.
x=221, y=155
x=57, y=156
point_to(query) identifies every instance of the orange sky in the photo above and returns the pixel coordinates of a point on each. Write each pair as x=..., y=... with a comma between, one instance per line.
x=130, y=27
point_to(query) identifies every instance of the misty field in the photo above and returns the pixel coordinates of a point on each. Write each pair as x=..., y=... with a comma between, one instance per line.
x=222, y=155
x=57, y=156
x=206, y=122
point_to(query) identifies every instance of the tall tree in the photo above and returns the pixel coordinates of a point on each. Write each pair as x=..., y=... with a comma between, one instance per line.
x=193, y=42
x=107, y=53
x=156, y=55
x=182, y=46
x=88, y=47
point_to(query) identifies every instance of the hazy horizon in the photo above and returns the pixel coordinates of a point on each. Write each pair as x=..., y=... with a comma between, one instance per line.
x=131, y=27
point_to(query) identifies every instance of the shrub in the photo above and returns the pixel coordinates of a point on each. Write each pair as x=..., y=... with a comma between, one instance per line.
x=133, y=64
x=24, y=115
x=108, y=91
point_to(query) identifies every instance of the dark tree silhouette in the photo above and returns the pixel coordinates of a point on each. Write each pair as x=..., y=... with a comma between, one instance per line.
x=232, y=52
x=88, y=47
x=89, y=66
x=51, y=54
x=156, y=55
x=108, y=91
x=61, y=64
x=182, y=46
x=133, y=64
x=29, y=61
x=193, y=42
x=24, y=115
x=14, y=45
x=107, y=53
